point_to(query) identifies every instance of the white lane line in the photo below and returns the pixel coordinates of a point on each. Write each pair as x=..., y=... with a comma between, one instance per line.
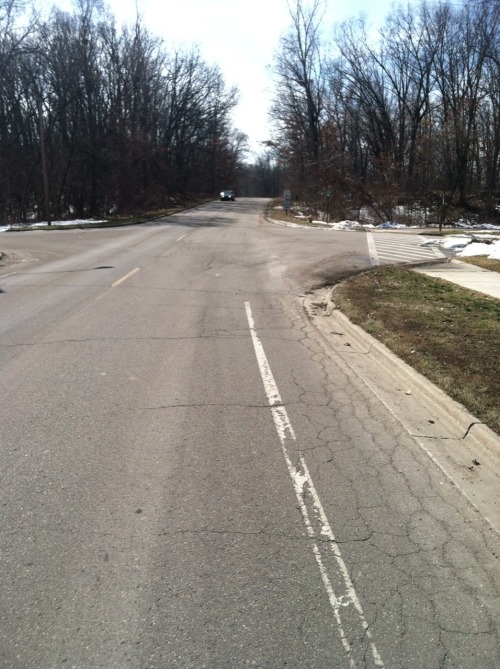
x=127, y=276
x=181, y=237
x=10, y=274
x=372, y=250
x=301, y=480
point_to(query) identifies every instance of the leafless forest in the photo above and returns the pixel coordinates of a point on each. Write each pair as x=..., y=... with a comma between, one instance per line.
x=119, y=122
x=96, y=119
x=407, y=115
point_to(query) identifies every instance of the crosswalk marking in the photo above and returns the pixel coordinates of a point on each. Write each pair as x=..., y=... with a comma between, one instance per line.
x=386, y=248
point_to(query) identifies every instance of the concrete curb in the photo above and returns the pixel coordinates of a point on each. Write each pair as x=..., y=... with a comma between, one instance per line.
x=473, y=428
x=466, y=451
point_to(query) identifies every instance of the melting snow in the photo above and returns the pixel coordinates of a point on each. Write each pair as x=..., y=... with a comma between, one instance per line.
x=481, y=249
x=43, y=224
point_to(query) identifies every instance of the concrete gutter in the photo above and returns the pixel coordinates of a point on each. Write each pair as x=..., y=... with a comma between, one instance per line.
x=465, y=450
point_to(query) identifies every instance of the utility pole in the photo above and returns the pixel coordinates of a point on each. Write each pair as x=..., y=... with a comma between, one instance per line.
x=44, y=162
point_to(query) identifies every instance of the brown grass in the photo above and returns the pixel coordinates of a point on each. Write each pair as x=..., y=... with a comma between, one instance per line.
x=448, y=333
x=481, y=261
x=281, y=215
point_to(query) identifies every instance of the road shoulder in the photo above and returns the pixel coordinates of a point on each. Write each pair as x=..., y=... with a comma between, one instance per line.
x=463, y=448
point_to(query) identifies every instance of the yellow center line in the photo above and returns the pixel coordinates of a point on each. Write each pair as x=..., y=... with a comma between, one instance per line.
x=124, y=278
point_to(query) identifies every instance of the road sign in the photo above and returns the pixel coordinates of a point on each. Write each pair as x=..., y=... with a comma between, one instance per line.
x=287, y=200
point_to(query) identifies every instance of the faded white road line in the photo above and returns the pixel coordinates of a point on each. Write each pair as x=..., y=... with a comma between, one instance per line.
x=372, y=249
x=306, y=495
x=124, y=278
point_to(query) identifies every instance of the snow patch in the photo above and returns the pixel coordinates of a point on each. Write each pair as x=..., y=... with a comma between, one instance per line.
x=491, y=251
x=43, y=224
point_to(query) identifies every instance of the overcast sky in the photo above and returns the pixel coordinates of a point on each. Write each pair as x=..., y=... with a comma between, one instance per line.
x=238, y=35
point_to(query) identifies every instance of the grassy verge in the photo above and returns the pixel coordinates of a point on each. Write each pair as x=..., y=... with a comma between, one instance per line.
x=485, y=263
x=449, y=334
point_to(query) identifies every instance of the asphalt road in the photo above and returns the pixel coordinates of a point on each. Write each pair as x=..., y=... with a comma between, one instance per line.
x=188, y=479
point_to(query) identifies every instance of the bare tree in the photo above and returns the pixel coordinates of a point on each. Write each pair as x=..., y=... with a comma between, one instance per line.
x=463, y=47
x=410, y=113
x=126, y=123
x=298, y=104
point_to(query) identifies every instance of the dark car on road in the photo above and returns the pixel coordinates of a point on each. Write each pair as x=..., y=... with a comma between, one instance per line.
x=227, y=195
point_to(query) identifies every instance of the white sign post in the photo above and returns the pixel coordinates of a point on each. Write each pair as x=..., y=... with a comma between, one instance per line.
x=287, y=199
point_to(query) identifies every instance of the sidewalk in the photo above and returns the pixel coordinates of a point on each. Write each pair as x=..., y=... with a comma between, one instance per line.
x=465, y=275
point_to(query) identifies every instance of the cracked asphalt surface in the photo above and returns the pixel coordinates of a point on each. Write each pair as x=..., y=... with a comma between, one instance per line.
x=155, y=514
